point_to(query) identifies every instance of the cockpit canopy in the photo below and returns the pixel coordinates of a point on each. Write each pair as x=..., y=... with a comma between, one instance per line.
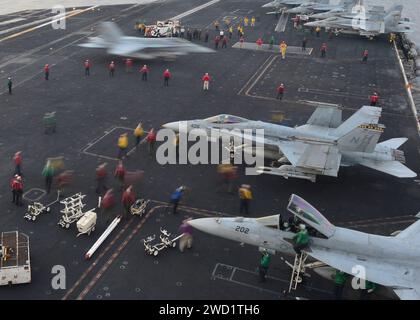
x=225, y=119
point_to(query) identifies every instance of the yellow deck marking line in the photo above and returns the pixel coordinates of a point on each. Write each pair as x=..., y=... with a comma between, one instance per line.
x=72, y=14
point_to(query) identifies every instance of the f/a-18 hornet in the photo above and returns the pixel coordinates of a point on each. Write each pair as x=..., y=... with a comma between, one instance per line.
x=391, y=261
x=319, y=147
x=112, y=39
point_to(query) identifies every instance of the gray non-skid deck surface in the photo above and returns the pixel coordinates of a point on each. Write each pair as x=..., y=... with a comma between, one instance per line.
x=88, y=108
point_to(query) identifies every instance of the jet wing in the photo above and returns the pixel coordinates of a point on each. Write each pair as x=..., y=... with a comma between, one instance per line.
x=393, y=168
x=320, y=157
x=325, y=116
x=401, y=280
x=408, y=294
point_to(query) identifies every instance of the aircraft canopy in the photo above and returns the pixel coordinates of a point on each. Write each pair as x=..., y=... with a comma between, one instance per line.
x=308, y=214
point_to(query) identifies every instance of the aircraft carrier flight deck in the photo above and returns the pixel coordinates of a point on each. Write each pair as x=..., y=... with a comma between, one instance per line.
x=91, y=112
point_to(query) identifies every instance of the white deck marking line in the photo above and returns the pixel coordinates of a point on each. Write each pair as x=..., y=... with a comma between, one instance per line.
x=43, y=193
x=253, y=76
x=96, y=140
x=194, y=10
x=115, y=255
x=293, y=51
x=3, y=23
x=33, y=76
x=262, y=73
x=72, y=14
x=230, y=279
x=333, y=93
x=303, y=102
x=22, y=26
x=107, y=132
x=30, y=53
x=136, y=5
x=88, y=270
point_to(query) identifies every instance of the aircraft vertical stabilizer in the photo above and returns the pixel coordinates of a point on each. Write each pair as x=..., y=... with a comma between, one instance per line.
x=366, y=114
x=364, y=138
x=110, y=32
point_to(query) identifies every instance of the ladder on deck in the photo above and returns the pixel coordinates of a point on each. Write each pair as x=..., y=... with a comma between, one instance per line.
x=298, y=268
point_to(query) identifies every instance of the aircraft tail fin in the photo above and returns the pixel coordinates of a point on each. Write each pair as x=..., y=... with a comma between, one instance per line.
x=393, y=16
x=110, y=32
x=394, y=143
x=363, y=138
x=351, y=3
x=411, y=233
x=394, y=168
x=366, y=114
x=394, y=8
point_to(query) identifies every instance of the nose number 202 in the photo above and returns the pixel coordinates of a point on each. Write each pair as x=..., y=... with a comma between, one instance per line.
x=242, y=229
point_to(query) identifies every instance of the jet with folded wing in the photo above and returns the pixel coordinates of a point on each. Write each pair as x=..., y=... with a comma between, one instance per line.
x=112, y=39
x=370, y=24
x=281, y=5
x=319, y=147
x=391, y=261
x=310, y=7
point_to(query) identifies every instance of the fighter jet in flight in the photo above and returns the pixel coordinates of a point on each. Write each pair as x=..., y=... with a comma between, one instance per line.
x=391, y=261
x=369, y=24
x=112, y=39
x=319, y=147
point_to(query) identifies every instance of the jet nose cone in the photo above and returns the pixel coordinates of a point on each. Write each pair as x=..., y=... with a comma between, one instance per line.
x=204, y=224
x=172, y=126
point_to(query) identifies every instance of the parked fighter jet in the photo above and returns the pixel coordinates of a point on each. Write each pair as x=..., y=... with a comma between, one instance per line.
x=112, y=39
x=309, y=7
x=371, y=24
x=319, y=147
x=391, y=261
x=280, y=5
x=358, y=9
